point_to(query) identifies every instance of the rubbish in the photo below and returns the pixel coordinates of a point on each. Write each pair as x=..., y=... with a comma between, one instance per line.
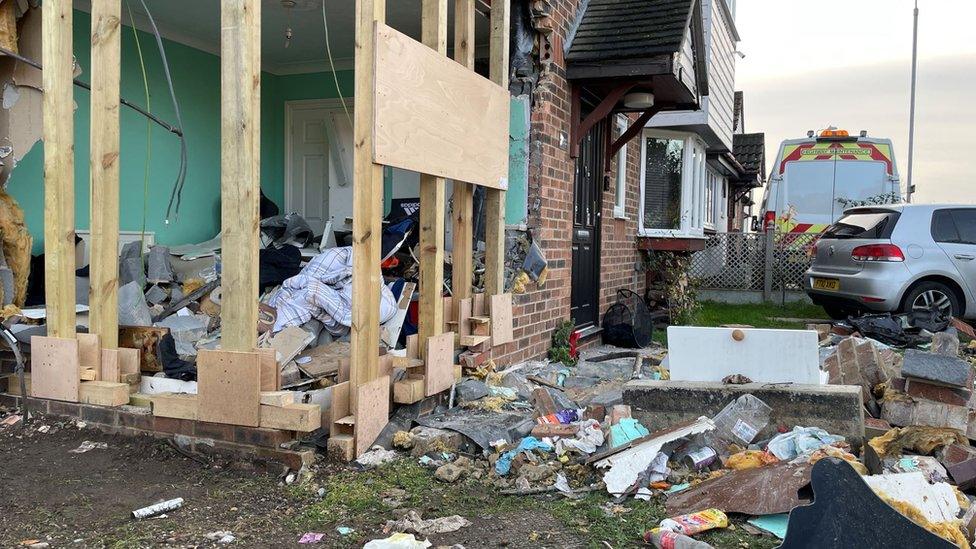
x=739, y=422
x=157, y=263
x=665, y=539
x=413, y=523
x=344, y=530
x=131, y=266
x=626, y=462
x=186, y=331
x=471, y=389
x=884, y=328
x=700, y=458
x=133, y=310
x=221, y=536
x=11, y=420
x=929, y=466
x=589, y=437
x=155, y=509
x=376, y=456
x=749, y=459
x=88, y=445
x=527, y=444
x=774, y=524
x=694, y=523
x=936, y=502
x=311, y=537
x=945, y=343
x=747, y=491
x=800, y=441
x=625, y=431
x=397, y=541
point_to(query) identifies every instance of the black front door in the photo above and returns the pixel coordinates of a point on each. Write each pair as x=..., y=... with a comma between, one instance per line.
x=587, y=203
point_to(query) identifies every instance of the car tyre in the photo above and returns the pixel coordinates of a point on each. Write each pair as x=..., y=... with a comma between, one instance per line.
x=931, y=291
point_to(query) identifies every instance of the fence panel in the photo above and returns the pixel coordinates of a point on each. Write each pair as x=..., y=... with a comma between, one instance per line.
x=737, y=261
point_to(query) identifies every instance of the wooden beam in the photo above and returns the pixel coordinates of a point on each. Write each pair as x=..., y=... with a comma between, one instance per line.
x=59, y=187
x=104, y=162
x=367, y=207
x=635, y=128
x=495, y=198
x=463, y=219
x=240, y=149
x=434, y=35
x=599, y=113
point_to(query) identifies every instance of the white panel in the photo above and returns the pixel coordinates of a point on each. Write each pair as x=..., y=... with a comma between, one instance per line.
x=764, y=356
x=313, y=175
x=314, y=131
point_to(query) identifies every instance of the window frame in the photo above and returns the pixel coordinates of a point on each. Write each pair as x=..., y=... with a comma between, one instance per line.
x=693, y=177
x=620, y=186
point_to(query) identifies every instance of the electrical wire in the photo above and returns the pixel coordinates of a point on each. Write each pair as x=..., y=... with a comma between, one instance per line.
x=177, y=192
x=335, y=77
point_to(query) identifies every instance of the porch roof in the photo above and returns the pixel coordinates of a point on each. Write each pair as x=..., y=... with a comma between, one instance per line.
x=624, y=29
x=749, y=150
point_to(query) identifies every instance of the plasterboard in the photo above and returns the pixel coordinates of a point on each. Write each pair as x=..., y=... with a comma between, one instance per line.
x=229, y=387
x=433, y=116
x=54, y=368
x=764, y=356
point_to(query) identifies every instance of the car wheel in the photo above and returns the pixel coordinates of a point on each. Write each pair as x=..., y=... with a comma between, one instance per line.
x=930, y=294
x=837, y=312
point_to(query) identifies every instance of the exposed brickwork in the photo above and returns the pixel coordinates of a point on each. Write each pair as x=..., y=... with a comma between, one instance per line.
x=550, y=196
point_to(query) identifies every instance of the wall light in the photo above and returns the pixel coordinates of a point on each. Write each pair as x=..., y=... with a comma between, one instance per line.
x=639, y=100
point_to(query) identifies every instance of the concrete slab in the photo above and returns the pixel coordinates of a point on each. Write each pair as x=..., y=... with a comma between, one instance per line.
x=836, y=408
x=945, y=370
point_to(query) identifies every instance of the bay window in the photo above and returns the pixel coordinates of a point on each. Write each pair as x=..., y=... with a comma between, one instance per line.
x=677, y=194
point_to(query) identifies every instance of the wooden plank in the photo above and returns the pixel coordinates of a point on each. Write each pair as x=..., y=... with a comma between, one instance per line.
x=366, y=204
x=339, y=408
x=462, y=222
x=270, y=374
x=478, y=305
x=372, y=412
x=406, y=362
x=435, y=117
x=54, y=368
x=450, y=315
x=88, y=374
x=473, y=340
x=103, y=393
x=342, y=447
x=464, y=33
x=240, y=151
x=90, y=353
x=104, y=169
x=390, y=332
x=464, y=313
x=325, y=359
x=179, y=406
x=412, y=348
x=111, y=369
x=277, y=398
x=494, y=207
x=292, y=417
x=408, y=391
x=59, y=185
x=439, y=375
x=229, y=387
x=501, y=319
x=289, y=342
x=128, y=360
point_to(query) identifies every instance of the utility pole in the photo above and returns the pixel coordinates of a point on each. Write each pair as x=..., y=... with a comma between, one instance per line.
x=911, y=115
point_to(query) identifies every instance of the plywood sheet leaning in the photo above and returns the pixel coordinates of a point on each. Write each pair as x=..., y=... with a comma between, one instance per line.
x=372, y=412
x=89, y=353
x=270, y=375
x=339, y=409
x=110, y=365
x=440, y=364
x=229, y=387
x=54, y=368
x=464, y=313
x=436, y=117
x=501, y=319
x=764, y=356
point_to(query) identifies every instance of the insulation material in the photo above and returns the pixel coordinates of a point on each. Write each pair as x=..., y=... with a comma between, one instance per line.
x=17, y=242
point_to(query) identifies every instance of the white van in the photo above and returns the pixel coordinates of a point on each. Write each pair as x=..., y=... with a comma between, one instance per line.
x=815, y=179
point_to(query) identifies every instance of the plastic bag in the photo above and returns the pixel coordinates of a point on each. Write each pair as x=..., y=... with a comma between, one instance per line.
x=693, y=523
x=800, y=441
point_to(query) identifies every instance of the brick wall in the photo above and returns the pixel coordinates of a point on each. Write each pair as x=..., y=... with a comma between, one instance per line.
x=550, y=197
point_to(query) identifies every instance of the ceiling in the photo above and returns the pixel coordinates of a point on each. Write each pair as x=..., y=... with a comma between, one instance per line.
x=196, y=23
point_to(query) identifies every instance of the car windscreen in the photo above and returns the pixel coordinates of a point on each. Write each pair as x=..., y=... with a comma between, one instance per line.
x=863, y=225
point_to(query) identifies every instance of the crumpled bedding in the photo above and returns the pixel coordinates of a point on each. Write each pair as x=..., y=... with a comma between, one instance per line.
x=323, y=291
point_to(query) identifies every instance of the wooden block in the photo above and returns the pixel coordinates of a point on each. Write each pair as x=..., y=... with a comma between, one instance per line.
x=413, y=350
x=180, y=406
x=90, y=353
x=408, y=391
x=450, y=315
x=140, y=399
x=54, y=368
x=478, y=305
x=406, y=362
x=473, y=340
x=372, y=412
x=341, y=447
x=229, y=387
x=128, y=360
x=421, y=124
x=474, y=320
x=464, y=313
x=131, y=378
x=439, y=374
x=270, y=374
x=292, y=417
x=344, y=364
x=339, y=408
x=111, y=369
x=88, y=375
x=501, y=319
x=103, y=393
x=277, y=398
x=386, y=364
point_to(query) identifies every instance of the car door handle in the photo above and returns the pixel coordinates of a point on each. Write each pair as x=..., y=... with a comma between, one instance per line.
x=965, y=257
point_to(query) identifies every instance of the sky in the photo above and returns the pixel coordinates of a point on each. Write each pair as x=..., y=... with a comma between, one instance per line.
x=809, y=65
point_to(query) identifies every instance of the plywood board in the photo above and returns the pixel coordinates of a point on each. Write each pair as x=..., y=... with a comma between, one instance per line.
x=128, y=360
x=449, y=314
x=89, y=352
x=229, y=387
x=270, y=375
x=501, y=319
x=478, y=305
x=413, y=350
x=111, y=369
x=764, y=356
x=439, y=375
x=464, y=312
x=339, y=408
x=54, y=368
x=436, y=117
x=372, y=412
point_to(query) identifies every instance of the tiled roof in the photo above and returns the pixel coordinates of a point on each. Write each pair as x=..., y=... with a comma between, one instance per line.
x=749, y=150
x=625, y=29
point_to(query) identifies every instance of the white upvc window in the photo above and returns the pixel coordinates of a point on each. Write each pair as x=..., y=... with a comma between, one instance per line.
x=713, y=186
x=620, y=190
x=674, y=180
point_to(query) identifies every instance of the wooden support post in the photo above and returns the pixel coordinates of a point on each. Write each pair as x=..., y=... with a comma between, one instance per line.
x=495, y=198
x=367, y=205
x=433, y=34
x=240, y=147
x=59, y=187
x=463, y=219
x=104, y=162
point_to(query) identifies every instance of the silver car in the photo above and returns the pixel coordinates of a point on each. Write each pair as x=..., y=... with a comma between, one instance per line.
x=897, y=258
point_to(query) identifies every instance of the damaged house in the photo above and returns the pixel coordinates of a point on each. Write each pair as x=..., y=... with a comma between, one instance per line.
x=507, y=166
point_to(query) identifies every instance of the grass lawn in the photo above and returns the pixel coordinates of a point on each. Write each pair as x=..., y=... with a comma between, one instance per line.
x=762, y=315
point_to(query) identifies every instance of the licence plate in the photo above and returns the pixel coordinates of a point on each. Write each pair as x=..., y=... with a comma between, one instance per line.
x=826, y=284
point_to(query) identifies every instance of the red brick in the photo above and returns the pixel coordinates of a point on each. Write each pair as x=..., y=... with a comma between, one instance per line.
x=134, y=420
x=216, y=431
x=173, y=425
x=58, y=408
x=938, y=393
x=256, y=436
x=100, y=414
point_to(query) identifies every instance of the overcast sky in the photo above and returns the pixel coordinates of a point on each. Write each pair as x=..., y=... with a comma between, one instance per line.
x=809, y=65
